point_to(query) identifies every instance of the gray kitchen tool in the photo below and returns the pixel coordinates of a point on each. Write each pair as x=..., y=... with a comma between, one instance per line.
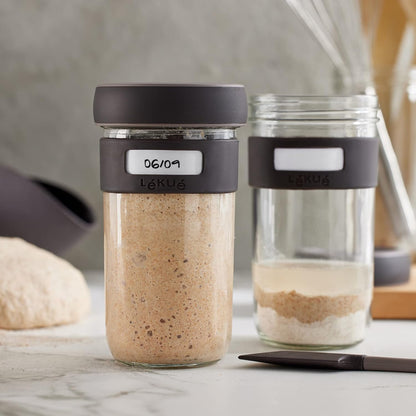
x=391, y=266
x=41, y=212
x=331, y=361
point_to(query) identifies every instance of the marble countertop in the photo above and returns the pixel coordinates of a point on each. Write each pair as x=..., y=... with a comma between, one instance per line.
x=69, y=370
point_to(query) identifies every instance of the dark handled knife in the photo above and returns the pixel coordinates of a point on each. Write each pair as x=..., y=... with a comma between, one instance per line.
x=324, y=360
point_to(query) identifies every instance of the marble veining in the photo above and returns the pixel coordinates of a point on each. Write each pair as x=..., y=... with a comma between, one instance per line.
x=69, y=371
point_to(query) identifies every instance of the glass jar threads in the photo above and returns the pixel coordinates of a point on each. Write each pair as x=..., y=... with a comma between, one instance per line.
x=313, y=166
x=169, y=161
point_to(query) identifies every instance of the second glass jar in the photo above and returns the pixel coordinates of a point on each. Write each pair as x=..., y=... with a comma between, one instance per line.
x=313, y=217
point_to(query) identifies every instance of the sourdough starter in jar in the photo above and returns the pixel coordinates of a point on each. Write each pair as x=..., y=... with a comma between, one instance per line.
x=168, y=285
x=169, y=172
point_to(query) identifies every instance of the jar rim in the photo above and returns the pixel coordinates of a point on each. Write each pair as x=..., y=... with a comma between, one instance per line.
x=295, y=103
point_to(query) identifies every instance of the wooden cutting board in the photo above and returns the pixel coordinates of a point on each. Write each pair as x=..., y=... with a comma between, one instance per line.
x=395, y=302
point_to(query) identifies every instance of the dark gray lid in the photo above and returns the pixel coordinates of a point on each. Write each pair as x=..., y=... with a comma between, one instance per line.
x=170, y=105
x=391, y=266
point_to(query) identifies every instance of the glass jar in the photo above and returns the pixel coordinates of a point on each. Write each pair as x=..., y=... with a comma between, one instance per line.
x=169, y=174
x=313, y=166
x=391, y=87
x=397, y=97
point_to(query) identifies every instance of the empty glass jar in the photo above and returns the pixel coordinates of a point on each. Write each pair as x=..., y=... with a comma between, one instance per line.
x=313, y=166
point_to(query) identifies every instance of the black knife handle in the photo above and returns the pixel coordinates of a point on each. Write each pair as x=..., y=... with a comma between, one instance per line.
x=404, y=365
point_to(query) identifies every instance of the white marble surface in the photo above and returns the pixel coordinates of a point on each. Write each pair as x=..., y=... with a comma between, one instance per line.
x=69, y=371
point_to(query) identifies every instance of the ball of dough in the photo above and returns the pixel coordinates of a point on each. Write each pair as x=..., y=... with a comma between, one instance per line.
x=37, y=288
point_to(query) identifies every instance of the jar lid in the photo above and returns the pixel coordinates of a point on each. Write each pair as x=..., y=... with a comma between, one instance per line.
x=391, y=266
x=170, y=105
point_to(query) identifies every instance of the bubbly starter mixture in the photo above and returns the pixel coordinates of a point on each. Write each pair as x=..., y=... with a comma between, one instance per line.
x=169, y=275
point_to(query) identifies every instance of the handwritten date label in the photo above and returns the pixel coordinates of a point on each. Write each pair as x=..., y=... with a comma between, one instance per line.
x=163, y=162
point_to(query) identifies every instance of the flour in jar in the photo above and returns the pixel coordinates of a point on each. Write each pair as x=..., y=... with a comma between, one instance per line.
x=312, y=302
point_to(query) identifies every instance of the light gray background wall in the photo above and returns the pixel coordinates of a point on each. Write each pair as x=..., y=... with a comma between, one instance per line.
x=53, y=53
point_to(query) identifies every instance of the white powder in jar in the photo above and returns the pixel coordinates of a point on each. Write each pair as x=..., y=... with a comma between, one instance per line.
x=330, y=331
x=312, y=302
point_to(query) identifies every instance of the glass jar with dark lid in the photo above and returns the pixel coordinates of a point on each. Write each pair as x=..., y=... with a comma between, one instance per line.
x=169, y=160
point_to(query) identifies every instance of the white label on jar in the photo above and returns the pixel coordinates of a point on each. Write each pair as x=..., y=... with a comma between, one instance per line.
x=309, y=159
x=163, y=162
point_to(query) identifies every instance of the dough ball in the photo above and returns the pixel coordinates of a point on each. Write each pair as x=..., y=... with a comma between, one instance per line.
x=37, y=288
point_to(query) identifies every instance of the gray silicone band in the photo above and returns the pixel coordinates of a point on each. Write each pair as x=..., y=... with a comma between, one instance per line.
x=359, y=170
x=219, y=173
